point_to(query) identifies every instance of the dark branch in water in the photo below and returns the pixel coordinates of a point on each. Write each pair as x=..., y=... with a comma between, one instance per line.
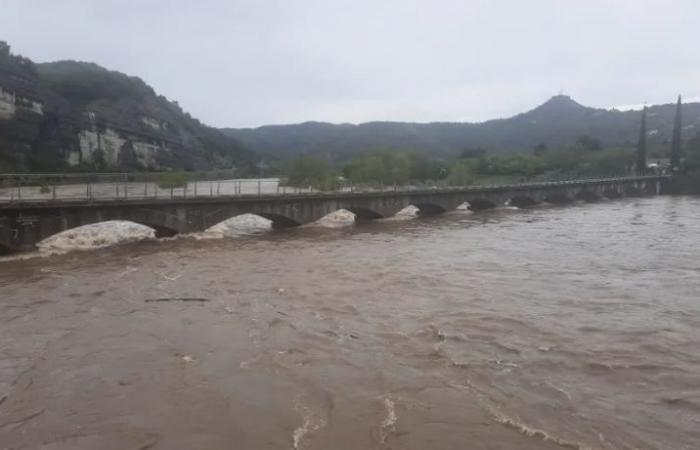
x=23, y=420
x=177, y=299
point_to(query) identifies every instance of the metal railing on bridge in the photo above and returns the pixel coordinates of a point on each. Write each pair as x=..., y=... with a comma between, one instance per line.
x=105, y=187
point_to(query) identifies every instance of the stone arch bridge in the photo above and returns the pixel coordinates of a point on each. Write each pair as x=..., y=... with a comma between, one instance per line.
x=23, y=224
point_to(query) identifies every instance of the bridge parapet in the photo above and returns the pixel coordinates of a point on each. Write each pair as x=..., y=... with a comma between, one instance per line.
x=132, y=191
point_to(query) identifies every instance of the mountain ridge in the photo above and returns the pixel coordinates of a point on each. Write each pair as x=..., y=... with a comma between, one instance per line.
x=558, y=122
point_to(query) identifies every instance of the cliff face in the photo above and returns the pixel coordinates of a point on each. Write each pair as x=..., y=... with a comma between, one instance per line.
x=68, y=114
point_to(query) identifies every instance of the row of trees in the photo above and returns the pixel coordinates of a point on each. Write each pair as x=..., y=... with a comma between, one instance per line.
x=586, y=157
x=394, y=167
x=676, y=150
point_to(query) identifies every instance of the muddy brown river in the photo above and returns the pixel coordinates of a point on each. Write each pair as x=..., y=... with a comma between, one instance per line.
x=572, y=327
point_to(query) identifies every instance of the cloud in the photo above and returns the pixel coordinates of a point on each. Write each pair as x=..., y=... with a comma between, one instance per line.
x=253, y=62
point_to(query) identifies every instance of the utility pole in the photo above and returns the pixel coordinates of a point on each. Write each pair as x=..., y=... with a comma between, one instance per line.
x=642, y=145
x=676, y=139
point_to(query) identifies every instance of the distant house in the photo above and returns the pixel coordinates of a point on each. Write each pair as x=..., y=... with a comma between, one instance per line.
x=659, y=165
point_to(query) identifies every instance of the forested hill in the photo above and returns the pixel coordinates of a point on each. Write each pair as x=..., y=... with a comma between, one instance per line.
x=72, y=115
x=558, y=123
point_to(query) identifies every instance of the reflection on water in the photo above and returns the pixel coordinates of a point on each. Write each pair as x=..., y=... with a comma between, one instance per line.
x=574, y=327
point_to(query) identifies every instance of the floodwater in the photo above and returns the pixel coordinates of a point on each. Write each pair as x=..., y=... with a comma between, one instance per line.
x=571, y=327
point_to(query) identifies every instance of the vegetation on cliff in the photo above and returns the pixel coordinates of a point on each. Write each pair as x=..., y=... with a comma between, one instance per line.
x=105, y=109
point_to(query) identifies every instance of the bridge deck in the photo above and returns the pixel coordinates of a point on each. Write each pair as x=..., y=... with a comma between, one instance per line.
x=238, y=190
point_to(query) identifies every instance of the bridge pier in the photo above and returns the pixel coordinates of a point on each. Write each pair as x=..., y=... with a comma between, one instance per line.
x=587, y=196
x=522, y=201
x=4, y=250
x=613, y=192
x=559, y=198
x=163, y=232
x=480, y=204
x=434, y=204
x=643, y=188
x=429, y=209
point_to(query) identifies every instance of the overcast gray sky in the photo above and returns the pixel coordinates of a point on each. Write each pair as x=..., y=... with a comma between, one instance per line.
x=252, y=62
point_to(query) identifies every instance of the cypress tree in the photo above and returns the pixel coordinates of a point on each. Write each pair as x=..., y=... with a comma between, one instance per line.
x=642, y=145
x=676, y=139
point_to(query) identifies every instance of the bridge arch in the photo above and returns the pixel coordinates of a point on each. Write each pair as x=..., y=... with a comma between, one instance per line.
x=278, y=221
x=522, y=201
x=163, y=224
x=364, y=213
x=429, y=208
x=338, y=218
x=613, y=192
x=558, y=198
x=88, y=237
x=5, y=249
x=160, y=231
x=587, y=196
x=221, y=215
x=633, y=191
x=480, y=204
x=640, y=189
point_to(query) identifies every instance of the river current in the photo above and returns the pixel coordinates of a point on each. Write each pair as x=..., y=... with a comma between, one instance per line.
x=546, y=328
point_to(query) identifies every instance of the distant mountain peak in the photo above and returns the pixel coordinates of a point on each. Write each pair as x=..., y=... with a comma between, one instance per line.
x=560, y=101
x=559, y=107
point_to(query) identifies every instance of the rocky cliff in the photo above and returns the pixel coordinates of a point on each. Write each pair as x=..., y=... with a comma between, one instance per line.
x=74, y=115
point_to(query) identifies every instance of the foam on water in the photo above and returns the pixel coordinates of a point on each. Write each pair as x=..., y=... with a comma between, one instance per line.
x=409, y=212
x=344, y=218
x=311, y=422
x=390, y=419
x=237, y=226
x=337, y=219
x=98, y=235
x=115, y=232
x=536, y=432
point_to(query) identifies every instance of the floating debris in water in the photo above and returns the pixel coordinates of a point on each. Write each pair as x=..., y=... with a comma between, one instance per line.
x=177, y=299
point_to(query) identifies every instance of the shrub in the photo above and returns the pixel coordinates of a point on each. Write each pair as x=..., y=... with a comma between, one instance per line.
x=170, y=180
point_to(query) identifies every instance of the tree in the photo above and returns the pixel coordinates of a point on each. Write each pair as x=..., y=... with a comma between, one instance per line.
x=461, y=173
x=589, y=143
x=477, y=152
x=310, y=171
x=642, y=145
x=692, y=161
x=676, y=139
x=172, y=180
x=392, y=167
x=540, y=149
